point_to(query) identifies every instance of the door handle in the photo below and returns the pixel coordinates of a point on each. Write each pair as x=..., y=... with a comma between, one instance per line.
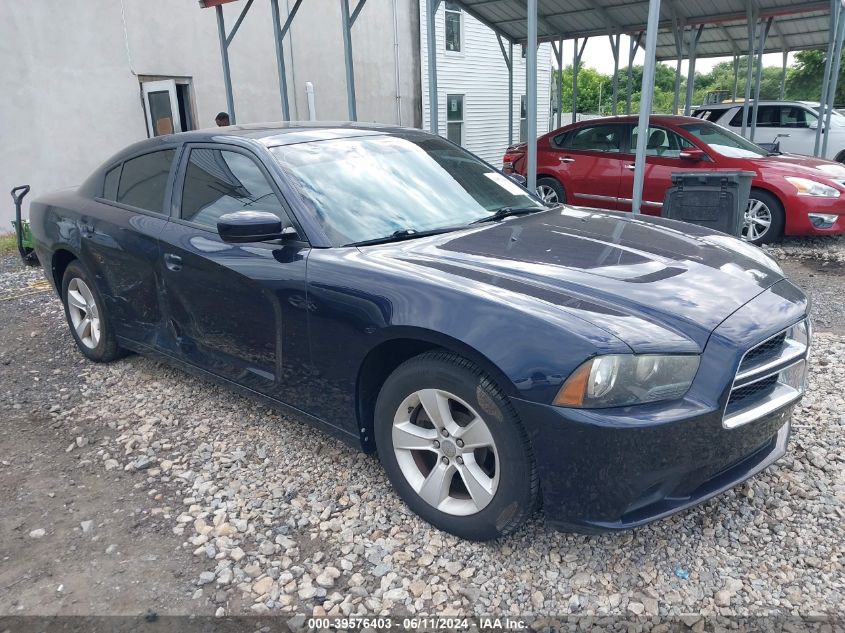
x=631, y=167
x=173, y=262
x=566, y=159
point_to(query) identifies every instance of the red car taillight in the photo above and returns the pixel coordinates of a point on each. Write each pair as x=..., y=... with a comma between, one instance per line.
x=508, y=162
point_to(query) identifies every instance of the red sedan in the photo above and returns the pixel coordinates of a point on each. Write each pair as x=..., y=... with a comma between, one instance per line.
x=591, y=163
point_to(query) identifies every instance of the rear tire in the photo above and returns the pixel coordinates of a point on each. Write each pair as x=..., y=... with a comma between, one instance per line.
x=763, y=207
x=551, y=191
x=87, y=317
x=467, y=468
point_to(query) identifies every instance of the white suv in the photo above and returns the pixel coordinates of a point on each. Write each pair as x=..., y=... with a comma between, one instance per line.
x=792, y=123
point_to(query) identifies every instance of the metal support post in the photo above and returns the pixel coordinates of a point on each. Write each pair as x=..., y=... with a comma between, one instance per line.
x=224, y=55
x=646, y=93
x=678, y=34
x=783, y=76
x=834, y=16
x=736, y=77
x=764, y=33
x=280, y=59
x=431, y=45
x=351, y=104
x=614, y=47
x=752, y=22
x=510, y=94
x=508, y=57
x=557, y=49
x=632, y=51
x=692, y=48
x=531, y=95
x=576, y=64
x=834, y=79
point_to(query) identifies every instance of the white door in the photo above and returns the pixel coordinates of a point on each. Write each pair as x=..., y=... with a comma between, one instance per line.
x=161, y=103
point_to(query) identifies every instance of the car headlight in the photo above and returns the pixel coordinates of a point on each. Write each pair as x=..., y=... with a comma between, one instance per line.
x=624, y=379
x=807, y=187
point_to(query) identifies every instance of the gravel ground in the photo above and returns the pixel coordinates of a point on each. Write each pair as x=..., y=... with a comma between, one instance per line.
x=244, y=511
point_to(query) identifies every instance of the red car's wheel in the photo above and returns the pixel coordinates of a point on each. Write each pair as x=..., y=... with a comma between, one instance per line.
x=764, y=218
x=551, y=191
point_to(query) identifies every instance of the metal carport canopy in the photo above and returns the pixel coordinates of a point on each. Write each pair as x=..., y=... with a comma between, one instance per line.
x=799, y=25
x=567, y=19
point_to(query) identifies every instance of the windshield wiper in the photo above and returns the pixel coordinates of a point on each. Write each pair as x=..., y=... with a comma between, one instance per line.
x=403, y=234
x=505, y=212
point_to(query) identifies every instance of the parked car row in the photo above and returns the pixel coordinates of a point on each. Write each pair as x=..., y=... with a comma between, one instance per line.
x=591, y=163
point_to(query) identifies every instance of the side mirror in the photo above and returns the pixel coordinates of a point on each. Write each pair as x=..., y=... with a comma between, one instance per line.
x=814, y=125
x=251, y=226
x=518, y=179
x=692, y=154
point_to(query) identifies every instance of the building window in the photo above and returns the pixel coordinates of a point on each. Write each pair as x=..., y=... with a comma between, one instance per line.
x=455, y=118
x=453, y=27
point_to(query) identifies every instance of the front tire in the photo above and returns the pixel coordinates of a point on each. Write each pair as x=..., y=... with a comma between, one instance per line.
x=86, y=316
x=764, y=218
x=454, y=449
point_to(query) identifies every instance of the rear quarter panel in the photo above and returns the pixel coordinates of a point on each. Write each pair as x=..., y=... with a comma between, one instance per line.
x=118, y=248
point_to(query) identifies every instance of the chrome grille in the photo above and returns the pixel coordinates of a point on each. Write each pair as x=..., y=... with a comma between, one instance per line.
x=771, y=375
x=764, y=351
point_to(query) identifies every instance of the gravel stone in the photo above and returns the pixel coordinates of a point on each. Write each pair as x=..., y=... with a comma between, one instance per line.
x=306, y=525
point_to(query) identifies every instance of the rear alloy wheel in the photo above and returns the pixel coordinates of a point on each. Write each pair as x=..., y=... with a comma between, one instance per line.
x=763, y=218
x=453, y=447
x=86, y=316
x=550, y=191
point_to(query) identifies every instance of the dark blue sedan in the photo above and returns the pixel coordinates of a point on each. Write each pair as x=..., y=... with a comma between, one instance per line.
x=401, y=294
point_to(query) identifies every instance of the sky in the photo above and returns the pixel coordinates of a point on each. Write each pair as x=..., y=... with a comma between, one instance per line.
x=597, y=55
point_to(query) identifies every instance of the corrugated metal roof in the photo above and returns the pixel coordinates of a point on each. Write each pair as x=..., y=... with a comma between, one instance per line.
x=795, y=26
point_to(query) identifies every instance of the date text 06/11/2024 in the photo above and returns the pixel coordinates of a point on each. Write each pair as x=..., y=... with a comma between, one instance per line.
x=419, y=623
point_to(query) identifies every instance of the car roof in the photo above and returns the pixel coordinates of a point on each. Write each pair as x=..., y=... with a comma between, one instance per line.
x=287, y=132
x=733, y=104
x=664, y=119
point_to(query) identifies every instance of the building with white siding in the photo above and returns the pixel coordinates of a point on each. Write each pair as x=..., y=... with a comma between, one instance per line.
x=472, y=84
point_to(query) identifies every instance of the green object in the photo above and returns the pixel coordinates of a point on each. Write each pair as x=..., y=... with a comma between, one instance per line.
x=26, y=234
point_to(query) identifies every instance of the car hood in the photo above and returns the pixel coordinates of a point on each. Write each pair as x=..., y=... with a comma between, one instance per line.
x=655, y=284
x=796, y=165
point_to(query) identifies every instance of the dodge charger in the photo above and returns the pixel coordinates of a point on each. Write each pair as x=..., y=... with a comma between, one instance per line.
x=387, y=286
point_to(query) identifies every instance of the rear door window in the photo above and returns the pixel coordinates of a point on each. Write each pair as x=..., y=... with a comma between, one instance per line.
x=767, y=116
x=143, y=180
x=598, y=138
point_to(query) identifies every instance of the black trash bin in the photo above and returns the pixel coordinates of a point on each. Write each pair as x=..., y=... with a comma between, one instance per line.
x=715, y=199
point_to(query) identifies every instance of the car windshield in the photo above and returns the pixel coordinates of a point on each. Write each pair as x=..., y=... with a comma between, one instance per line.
x=836, y=118
x=724, y=141
x=371, y=187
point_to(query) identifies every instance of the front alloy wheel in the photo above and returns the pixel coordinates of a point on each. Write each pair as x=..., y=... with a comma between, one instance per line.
x=758, y=221
x=446, y=452
x=454, y=447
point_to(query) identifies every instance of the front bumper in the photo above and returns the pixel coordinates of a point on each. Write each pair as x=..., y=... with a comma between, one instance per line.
x=614, y=469
x=808, y=215
x=599, y=474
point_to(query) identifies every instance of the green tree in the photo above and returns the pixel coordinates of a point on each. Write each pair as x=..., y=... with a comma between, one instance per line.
x=804, y=78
